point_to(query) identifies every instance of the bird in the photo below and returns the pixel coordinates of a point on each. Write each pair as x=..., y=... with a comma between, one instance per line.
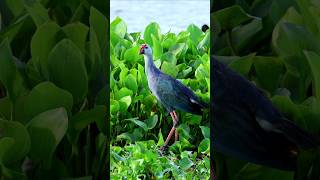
x=247, y=126
x=171, y=93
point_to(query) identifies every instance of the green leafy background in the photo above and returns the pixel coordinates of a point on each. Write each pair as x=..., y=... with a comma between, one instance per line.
x=275, y=44
x=139, y=124
x=53, y=89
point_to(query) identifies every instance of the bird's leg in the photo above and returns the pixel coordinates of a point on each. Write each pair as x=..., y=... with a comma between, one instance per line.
x=176, y=135
x=173, y=129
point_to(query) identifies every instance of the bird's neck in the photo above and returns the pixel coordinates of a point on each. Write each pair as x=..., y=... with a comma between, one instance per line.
x=149, y=65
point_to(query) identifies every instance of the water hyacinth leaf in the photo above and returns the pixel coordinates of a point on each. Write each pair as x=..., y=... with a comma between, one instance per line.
x=42, y=42
x=131, y=83
x=14, y=141
x=252, y=172
x=38, y=13
x=46, y=131
x=100, y=24
x=170, y=57
x=127, y=136
x=243, y=35
x=286, y=34
x=268, y=71
x=204, y=146
x=185, y=163
x=169, y=69
x=184, y=130
x=139, y=123
x=195, y=33
x=201, y=72
x=177, y=49
x=122, y=93
x=46, y=96
x=230, y=17
x=114, y=106
x=313, y=59
x=152, y=121
x=160, y=139
x=156, y=47
x=82, y=119
x=205, y=131
x=149, y=101
x=119, y=27
x=132, y=54
x=9, y=75
x=205, y=42
x=77, y=33
x=5, y=108
x=67, y=69
x=152, y=29
x=242, y=65
x=125, y=103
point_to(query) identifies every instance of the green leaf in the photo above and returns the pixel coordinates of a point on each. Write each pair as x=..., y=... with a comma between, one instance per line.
x=185, y=163
x=156, y=47
x=125, y=103
x=204, y=146
x=9, y=75
x=38, y=13
x=205, y=131
x=139, y=123
x=253, y=172
x=46, y=96
x=131, y=83
x=314, y=62
x=119, y=27
x=14, y=141
x=67, y=70
x=269, y=70
x=230, y=17
x=77, y=33
x=100, y=25
x=132, y=54
x=46, y=131
x=114, y=106
x=152, y=29
x=82, y=119
x=285, y=36
x=42, y=42
x=169, y=69
x=160, y=139
x=195, y=33
x=152, y=121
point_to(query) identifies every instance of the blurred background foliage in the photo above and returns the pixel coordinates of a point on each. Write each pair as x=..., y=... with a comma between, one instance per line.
x=53, y=89
x=139, y=124
x=276, y=45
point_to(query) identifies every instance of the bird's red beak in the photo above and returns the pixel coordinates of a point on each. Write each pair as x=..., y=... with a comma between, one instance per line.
x=142, y=48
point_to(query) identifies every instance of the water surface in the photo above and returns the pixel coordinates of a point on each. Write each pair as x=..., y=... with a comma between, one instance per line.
x=171, y=15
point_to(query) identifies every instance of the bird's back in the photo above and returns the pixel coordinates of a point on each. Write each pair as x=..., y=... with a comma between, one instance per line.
x=238, y=108
x=173, y=94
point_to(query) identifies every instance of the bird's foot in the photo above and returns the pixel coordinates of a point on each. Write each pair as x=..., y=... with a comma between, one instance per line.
x=163, y=149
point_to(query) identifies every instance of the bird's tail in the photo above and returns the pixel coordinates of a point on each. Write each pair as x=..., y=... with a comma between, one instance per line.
x=301, y=138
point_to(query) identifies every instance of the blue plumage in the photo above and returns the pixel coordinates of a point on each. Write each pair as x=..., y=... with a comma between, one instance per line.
x=171, y=93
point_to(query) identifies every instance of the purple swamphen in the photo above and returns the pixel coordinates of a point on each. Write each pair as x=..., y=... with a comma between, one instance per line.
x=171, y=93
x=247, y=126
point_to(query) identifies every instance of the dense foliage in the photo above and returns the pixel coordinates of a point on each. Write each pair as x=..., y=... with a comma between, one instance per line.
x=275, y=44
x=138, y=121
x=52, y=89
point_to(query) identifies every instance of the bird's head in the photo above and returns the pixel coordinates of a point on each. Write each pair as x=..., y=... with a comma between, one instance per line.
x=145, y=50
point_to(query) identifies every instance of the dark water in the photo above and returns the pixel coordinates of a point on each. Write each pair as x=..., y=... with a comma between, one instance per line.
x=174, y=15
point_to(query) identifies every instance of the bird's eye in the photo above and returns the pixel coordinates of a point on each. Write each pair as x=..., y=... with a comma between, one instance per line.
x=146, y=47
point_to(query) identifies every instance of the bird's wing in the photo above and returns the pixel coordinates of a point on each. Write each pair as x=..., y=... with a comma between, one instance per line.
x=173, y=93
